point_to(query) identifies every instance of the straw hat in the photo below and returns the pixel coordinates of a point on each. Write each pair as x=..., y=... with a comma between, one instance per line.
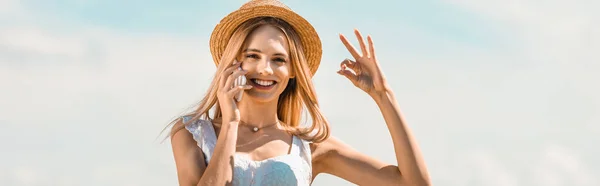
x=272, y=8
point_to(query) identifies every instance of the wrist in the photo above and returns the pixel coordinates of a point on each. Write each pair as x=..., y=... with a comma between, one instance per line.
x=227, y=121
x=380, y=96
x=228, y=127
x=231, y=123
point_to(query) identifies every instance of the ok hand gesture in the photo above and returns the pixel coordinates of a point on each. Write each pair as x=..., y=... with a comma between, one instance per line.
x=366, y=73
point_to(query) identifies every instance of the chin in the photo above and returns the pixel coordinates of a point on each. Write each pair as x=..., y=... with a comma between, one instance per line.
x=261, y=97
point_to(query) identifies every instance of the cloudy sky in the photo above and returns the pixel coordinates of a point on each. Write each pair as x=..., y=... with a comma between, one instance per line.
x=497, y=92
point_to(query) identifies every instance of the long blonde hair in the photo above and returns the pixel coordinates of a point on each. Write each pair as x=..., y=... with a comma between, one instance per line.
x=298, y=95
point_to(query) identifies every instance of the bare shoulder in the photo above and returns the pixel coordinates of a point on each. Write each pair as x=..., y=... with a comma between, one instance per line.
x=330, y=145
x=188, y=156
x=176, y=130
x=323, y=152
x=181, y=138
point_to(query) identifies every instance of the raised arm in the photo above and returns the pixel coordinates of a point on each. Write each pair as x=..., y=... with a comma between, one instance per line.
x=336, y=158
x=191, y=169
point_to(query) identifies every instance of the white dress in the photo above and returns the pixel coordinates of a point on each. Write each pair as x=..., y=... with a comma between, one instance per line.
x=294, y=168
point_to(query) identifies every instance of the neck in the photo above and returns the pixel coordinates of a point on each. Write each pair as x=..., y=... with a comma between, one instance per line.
x=258, y=114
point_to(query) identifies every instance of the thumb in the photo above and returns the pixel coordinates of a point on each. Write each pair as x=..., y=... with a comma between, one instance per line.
x=348, y=74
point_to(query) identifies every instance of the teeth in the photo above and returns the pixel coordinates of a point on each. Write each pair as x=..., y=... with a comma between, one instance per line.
x=263, y=82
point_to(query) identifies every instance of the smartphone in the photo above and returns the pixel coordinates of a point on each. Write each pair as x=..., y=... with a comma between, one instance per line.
x=239, y=81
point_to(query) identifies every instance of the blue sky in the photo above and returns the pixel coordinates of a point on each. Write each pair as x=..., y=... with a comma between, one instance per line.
x=498, y=93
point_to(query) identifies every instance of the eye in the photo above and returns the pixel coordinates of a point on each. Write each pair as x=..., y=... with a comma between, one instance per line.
x=279, y=59
x=253, y=56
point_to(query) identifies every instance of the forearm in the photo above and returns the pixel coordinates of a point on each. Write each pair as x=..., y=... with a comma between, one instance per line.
x=408, y=155
x=219, y=170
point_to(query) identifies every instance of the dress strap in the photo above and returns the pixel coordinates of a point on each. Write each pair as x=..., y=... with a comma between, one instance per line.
x=204, y=135
x=305, y=153
x=296, y=145
x=301, y=147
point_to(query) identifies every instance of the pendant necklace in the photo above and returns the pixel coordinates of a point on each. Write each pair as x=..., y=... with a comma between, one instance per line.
x=256, y=129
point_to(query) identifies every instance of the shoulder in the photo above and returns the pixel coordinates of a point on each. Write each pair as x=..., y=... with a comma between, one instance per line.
x=179, y=124
x=180, y=131
x=325, y=151
x=190, y=126
x=188, y=157
x=327, y=147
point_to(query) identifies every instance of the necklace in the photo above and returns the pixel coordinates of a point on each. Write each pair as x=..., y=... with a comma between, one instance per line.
x=256, y=129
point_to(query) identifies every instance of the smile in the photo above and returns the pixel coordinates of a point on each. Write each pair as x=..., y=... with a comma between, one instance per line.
x=263, y=84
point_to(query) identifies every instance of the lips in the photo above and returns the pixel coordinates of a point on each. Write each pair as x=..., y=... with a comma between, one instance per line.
x=263, y=84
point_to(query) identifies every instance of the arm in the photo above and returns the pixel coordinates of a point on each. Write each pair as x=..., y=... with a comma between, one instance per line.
x=220, y=168
x=192, y=170
x=188, y=157
x=408, y=155
x=335, y=158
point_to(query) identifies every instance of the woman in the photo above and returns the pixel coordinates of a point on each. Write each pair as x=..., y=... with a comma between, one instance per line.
x=259, y=140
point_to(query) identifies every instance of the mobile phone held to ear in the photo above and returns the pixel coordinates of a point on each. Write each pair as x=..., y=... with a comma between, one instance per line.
x=240, y=81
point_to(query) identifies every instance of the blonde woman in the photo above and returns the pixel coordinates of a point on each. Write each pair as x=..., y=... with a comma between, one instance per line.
x=258, y=138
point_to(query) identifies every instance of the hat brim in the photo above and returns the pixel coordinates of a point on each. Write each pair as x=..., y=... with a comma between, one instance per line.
x=311, y=42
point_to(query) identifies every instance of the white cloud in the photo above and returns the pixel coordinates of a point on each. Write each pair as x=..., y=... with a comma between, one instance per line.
x=552, y=30
x=133, y=65
x=9, y=6
x=35, y=41
x=122, y=92
x=561, y=166
x=489, y=171
x=28, y=176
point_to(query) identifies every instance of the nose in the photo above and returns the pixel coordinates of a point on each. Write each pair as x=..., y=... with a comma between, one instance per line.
x=264, y=67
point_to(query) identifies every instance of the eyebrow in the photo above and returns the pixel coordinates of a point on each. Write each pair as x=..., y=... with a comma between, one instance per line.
x=257, y=50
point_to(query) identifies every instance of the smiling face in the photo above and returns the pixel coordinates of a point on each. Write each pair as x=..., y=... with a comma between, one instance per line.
x=265, y=56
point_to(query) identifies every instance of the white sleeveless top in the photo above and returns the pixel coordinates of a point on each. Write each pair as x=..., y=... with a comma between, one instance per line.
x=294, y=168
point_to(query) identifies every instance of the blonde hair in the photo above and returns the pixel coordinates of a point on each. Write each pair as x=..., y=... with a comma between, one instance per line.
x=298, y=95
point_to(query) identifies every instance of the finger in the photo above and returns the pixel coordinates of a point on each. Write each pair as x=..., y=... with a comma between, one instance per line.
x=237, y=89
x=371, y=47
x=349, y=46
x=348, y=74
x=348, y=63
x=227, y=72
x=361, y=41
x=233, y=77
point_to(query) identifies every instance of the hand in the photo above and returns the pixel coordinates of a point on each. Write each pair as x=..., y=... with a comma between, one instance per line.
x=226, y=93
x=366, y=73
